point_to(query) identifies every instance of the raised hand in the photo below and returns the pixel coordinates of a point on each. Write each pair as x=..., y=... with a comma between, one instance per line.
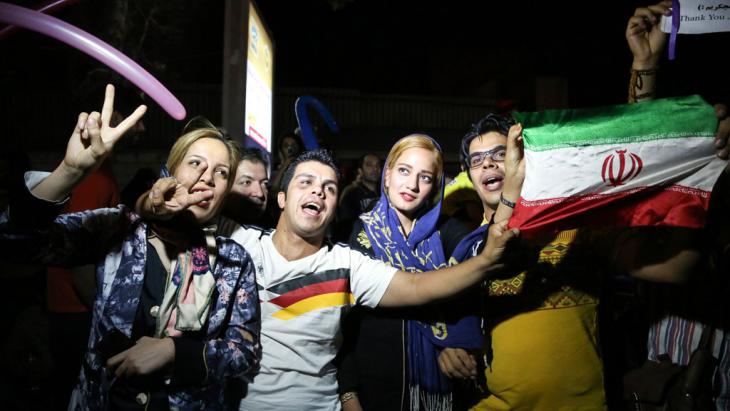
x=645, y=38
x=514, y=162
x=93, y=138
x=91, y=142
x=514, y=173
x=168, y=197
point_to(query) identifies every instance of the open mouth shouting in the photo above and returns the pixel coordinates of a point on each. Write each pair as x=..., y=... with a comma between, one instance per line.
x=492, y=181
x=313, y=208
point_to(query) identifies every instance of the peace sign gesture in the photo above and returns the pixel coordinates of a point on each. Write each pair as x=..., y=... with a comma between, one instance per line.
x=93, y=138
x=91, y=142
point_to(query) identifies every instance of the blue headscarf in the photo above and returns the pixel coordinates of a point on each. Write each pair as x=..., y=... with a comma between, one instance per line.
x=421, y=251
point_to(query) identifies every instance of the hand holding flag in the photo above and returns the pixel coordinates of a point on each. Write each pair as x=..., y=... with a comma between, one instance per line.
x=648, y=164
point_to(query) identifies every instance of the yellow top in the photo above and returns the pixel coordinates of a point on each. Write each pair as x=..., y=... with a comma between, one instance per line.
x=459, y=191
x=545, y=349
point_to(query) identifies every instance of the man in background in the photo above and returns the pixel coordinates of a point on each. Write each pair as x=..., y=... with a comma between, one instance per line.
x=247, y=200
x=357, y=196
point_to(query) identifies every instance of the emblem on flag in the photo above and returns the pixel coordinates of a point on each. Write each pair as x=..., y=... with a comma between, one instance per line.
x=582, y=166
x=614, y=173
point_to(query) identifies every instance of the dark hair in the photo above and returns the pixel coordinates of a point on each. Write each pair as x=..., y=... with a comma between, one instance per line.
x=253, y=155
x=490, y=122
x=295, y=136
x=319, y=155
x=361, y=161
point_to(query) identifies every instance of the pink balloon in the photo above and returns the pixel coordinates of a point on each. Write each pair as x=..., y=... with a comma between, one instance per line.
x=96, y=48
x=48, y=8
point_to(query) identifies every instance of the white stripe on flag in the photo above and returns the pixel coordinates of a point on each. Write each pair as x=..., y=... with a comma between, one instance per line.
x=575, y=171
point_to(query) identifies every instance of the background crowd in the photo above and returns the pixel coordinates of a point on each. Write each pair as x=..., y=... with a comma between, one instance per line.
x=570, y=327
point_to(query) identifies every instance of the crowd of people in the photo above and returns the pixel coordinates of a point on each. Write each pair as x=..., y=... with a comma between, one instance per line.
x=229, y=282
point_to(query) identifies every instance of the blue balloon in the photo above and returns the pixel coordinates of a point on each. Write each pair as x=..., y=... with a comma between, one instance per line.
x=305, y=124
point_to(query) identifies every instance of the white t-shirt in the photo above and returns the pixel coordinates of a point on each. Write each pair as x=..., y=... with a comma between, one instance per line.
x=303, y=303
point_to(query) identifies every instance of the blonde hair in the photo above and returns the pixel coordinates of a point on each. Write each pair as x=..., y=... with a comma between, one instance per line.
x=418, y=141
x=183, y=143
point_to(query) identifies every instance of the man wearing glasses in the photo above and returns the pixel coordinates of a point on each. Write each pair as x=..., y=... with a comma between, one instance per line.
x=483, y=150
x=541, y=345
x=542, y=350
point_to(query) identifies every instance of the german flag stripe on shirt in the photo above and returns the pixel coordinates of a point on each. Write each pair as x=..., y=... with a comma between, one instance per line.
x=312, y=292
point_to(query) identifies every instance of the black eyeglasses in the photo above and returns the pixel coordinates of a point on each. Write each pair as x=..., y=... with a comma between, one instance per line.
x=497, y=154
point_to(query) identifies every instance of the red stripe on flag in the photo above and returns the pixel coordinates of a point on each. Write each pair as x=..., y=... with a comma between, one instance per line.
x=341, y=285
x=645, y=206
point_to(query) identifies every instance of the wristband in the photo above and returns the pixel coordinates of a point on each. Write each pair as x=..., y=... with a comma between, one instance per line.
x=506, y=202
x=350, y=395
x=644, y=72
x=637, y=83
x=648, y=94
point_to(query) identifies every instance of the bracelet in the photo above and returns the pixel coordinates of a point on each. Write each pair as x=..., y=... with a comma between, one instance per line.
x=637, y=83
x=648, y=94
x=506, y=202
x=350, y=395
x=644, y=72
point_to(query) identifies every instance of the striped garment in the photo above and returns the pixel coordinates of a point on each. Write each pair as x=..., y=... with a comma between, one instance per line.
x=315, y=291
x=678, y=337
x=638, y=165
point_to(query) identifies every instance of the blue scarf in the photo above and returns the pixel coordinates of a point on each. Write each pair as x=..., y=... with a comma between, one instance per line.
x=469, y=246
x=421, y=251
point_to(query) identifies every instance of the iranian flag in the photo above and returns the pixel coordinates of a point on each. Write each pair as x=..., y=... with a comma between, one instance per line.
x=643, y=164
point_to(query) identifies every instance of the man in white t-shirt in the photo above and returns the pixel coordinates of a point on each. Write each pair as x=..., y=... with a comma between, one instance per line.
x=306, y=286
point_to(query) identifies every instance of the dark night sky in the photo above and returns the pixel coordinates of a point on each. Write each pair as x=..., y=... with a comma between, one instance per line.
x=447, y=48
x=454, y=47
x=399, y=47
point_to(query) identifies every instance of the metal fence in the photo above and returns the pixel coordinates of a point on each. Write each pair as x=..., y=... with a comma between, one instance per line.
x=39, y=123
x=36, y=119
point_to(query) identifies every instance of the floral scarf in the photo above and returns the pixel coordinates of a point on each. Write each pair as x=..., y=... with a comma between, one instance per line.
x=186, y=301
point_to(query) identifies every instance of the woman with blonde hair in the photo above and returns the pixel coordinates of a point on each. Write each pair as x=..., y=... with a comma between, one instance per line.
x=389, y=359
x=175, y=319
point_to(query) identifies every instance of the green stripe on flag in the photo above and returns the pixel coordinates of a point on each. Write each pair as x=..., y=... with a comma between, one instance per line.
x=660, y=119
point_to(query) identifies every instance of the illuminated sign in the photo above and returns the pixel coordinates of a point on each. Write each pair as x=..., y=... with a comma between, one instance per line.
x=259, y=81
